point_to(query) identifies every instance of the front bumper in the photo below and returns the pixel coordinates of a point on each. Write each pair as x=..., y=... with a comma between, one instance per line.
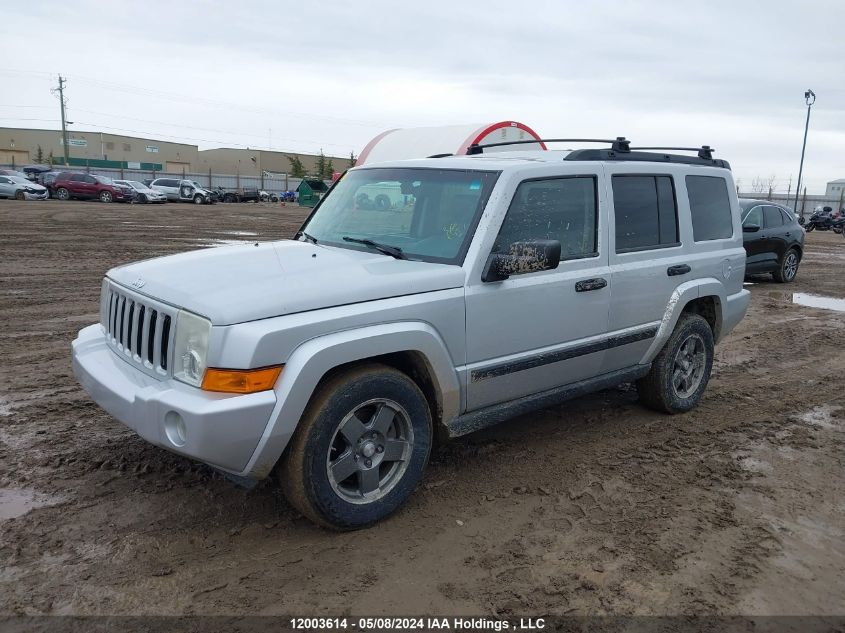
x=221, y=430
x=41, y=195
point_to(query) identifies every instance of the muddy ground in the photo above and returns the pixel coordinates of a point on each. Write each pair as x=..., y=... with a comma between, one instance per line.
x=596, y=507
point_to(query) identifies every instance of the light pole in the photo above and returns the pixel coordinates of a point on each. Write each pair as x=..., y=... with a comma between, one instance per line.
x=810, y=98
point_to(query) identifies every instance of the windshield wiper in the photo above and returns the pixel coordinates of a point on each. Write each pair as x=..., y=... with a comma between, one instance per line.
x=308, y=238
x=387, y=249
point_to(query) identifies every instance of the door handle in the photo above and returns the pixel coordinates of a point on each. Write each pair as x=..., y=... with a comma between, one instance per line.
x=680, y=269
x=590, y=284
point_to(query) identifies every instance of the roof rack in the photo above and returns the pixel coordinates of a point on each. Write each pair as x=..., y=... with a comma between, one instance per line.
x=705, y=151
x=619, y=144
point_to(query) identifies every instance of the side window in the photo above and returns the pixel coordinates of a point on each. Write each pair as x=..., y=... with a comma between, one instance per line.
x=78, y=178
x=787, y=216
x=710, y=206
x=4, y=180
x=91, y=180
x=773, y=217
x=562, y=209
x=645, y=212
x=754, y=217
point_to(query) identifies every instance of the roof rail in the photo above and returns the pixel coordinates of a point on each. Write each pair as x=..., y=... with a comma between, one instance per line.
x=619, y=144
x=705, y=151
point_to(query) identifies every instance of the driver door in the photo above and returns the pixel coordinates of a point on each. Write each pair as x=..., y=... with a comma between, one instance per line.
x=537, y=331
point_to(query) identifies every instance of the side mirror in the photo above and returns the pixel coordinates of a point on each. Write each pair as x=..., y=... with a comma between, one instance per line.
x=750, y=228
x=522, y=258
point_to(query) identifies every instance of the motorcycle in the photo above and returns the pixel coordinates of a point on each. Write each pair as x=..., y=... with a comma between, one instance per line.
x=822, y=220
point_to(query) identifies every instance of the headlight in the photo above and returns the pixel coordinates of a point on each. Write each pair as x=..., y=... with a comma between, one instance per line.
x=104, y=304
x=190, y=347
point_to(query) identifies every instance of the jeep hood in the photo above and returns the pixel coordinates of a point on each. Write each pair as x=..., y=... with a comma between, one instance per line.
x=233, y=284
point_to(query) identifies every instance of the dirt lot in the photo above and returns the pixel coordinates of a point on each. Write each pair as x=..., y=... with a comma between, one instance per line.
x=599, y=506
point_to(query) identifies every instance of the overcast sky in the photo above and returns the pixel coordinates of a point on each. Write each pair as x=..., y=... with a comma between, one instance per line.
x=304, y=76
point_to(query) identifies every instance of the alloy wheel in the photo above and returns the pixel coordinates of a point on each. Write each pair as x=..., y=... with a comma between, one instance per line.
x=688, y=367
x=369, y=451
x=790, y=266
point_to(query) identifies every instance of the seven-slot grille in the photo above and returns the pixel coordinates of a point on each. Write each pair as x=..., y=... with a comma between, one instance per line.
x=139, y=330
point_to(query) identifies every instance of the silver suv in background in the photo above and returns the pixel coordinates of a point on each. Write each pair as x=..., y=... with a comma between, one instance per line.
x=182, y=190
x=504, y=283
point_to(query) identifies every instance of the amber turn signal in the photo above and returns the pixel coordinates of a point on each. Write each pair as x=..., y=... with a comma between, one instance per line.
x=240, y=380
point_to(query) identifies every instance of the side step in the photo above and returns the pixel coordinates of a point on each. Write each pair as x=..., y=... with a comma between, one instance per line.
x=489, y=416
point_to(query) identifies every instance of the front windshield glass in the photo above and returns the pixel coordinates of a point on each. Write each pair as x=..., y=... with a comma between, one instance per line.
x=137, y=185
x=429, y=213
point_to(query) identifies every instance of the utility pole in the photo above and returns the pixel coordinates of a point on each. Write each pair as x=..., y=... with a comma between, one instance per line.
x=810, y=99
x=60, y=90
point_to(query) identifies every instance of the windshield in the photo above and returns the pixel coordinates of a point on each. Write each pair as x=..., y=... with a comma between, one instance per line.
x=20, y=179
x=429, y=213
x=137, y=185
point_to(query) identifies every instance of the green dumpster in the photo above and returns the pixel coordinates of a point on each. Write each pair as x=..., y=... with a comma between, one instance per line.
x=310, y=191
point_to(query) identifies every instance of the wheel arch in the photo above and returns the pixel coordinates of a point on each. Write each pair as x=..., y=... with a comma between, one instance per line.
x=699, y=296
x=413, y=348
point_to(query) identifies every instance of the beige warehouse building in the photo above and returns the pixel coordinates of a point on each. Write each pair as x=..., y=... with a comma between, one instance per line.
x=19, y=146
x=251, y=162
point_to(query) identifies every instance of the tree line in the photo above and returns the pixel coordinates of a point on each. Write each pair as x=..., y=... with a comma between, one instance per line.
x=323, y=168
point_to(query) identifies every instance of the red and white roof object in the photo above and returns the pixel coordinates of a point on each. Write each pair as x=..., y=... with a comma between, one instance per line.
x=420, y=142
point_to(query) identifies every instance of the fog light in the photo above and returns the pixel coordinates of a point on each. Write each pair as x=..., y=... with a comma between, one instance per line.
x=175, y=428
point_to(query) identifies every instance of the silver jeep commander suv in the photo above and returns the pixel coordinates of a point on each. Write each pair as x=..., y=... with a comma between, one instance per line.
x=496, y=284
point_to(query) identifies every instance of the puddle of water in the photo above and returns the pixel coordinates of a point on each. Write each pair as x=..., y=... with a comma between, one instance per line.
x=5, y=407
x=15, y=503
x=755, y=465
x=822, y=416
x=818, y=301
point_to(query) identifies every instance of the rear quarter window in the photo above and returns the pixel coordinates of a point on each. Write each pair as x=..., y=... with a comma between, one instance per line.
x=710, y=207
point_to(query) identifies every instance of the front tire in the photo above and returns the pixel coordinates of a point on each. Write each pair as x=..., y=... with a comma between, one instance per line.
x=20, y=195
x=105, y=196
x=198, y=199
x=787, y=267
x=360, y=449
x=810, y=227
x=62, y=193
x=681, y=371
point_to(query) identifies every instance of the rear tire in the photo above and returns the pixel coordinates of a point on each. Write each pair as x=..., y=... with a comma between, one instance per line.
x=787, y=267
x=360, y=448
x=681, y=371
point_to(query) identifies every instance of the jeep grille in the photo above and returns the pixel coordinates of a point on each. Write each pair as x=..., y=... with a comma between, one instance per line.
x=140, y=330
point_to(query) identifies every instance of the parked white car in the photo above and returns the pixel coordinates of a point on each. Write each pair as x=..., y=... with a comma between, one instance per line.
x=21, y=188
x=143, y=193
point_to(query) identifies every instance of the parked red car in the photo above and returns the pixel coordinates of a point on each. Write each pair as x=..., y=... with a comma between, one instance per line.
x=88, y=186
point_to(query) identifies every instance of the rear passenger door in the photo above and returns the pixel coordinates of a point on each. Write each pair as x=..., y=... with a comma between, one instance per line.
x=647, y=259
x=776, y=239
